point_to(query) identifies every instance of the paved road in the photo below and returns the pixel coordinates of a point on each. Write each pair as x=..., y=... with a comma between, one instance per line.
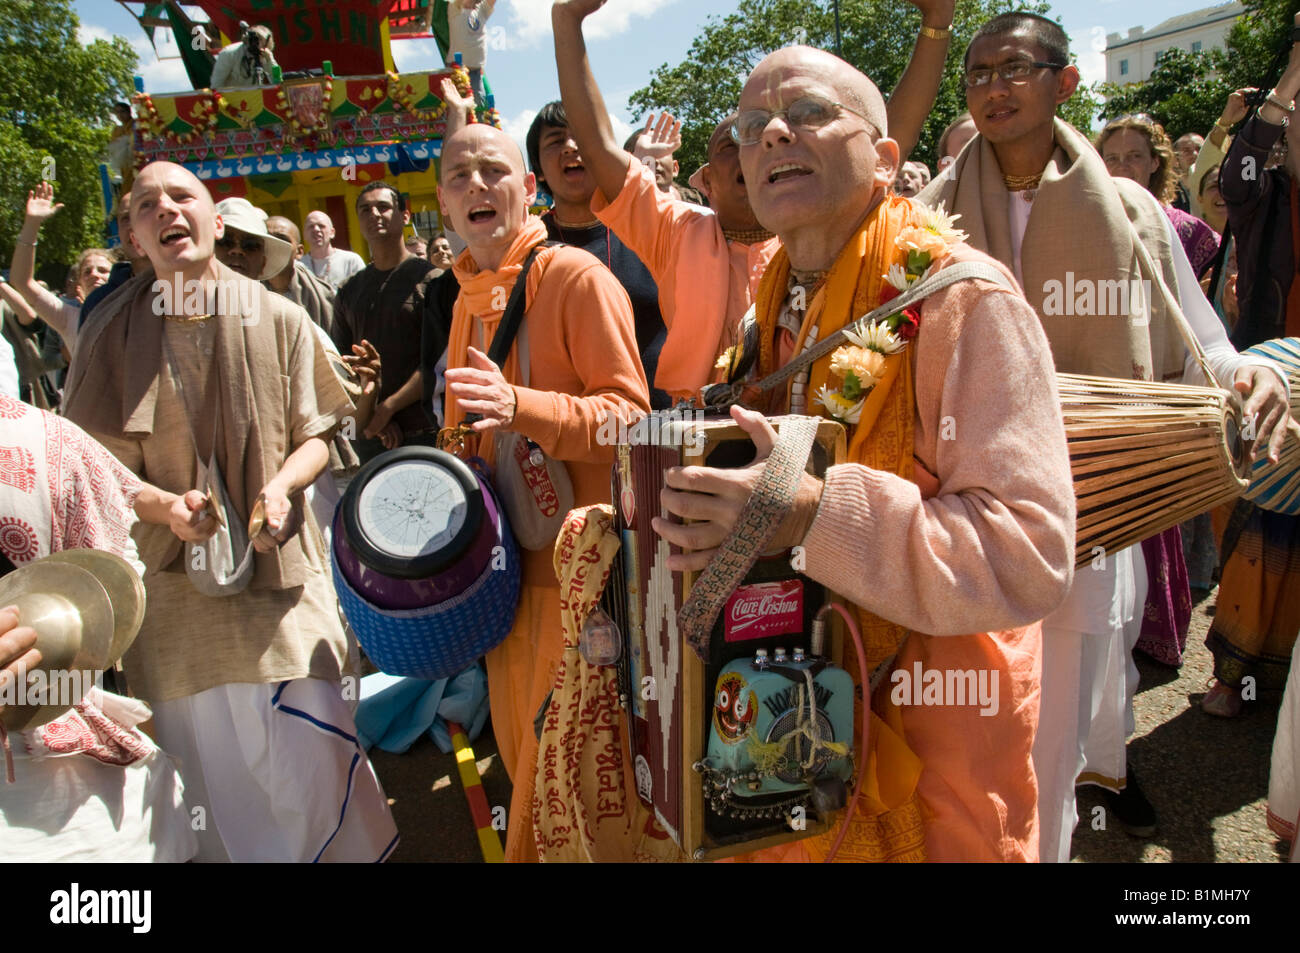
x=1207, y=778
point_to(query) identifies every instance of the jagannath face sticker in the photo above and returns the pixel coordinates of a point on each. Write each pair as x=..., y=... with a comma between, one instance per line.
x=734, y=708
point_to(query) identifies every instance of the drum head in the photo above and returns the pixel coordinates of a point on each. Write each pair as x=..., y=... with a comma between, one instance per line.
x=412, y=512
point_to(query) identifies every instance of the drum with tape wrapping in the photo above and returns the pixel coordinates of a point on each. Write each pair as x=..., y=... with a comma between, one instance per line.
x=1147, y=456
x=424, y=563
x=1276, y=486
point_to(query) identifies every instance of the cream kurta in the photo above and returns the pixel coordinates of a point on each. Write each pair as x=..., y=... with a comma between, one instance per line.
x=190, y=642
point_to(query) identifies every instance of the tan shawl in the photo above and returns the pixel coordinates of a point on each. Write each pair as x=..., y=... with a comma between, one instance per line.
x=112, y=389
x=1078, y=248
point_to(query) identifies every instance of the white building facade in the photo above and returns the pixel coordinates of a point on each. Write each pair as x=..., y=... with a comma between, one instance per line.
x=1132, y=58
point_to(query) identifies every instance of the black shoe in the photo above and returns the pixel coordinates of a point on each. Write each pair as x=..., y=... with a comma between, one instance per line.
x=1131, y=808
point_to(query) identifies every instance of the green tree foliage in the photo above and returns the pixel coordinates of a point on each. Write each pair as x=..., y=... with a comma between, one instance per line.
x=56, y=96
x=1186, y=92
x=877, y=38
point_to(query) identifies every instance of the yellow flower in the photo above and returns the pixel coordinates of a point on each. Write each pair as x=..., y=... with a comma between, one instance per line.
x=729, y=358
x=934, y=236
x=839, y=406
x=863, y=363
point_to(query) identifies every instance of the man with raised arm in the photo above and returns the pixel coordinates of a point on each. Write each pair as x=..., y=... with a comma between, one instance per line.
x=578, y=370
x=707, y=263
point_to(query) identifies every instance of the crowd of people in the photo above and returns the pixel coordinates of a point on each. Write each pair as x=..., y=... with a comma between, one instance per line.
x=641, y=291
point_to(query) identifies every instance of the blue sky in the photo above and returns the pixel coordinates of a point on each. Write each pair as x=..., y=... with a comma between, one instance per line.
x=627, y=40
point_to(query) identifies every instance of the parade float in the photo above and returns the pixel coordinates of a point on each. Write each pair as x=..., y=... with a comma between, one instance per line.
x=335, y=115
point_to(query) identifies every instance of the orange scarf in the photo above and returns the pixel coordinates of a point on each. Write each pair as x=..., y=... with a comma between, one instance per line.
x=482, y=301
x=883, y=437
x=888, y=822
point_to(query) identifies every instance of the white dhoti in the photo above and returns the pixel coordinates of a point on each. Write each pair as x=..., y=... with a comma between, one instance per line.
x=1085, y=714
x=278, y=773
x=1284, y=773
x=73, y=801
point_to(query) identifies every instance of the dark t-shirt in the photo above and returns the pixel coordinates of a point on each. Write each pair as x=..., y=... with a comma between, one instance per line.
x=636, y=281
x=386, y=308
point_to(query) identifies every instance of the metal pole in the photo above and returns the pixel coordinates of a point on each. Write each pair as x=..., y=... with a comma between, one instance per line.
x=837, y=28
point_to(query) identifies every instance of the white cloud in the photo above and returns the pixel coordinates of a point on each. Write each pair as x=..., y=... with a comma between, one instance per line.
x=1090, y=54
x=160, y=75
x=414, y=55
x=517, y=126
x=530, y=20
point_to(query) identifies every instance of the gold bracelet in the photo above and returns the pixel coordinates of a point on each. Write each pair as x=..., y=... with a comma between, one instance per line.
x=934, y=34
x=1279, y=102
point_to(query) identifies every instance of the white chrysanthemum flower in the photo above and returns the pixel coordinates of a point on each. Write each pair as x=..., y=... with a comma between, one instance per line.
x=839, y=406
x=897, y=276
x=940, y=223
x=877, y=338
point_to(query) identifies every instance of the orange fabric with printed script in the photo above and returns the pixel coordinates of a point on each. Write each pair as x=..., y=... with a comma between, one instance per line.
x=583, y=371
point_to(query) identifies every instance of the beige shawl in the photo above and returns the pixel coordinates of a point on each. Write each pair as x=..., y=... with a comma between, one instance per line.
x=112, y=390
x=1082, y=272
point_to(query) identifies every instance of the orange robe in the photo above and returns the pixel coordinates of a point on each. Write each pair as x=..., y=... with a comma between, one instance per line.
x=583, y=368
x=969, y=538
x=706, y=283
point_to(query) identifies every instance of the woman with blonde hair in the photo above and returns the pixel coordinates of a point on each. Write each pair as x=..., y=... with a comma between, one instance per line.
x=1136, y=147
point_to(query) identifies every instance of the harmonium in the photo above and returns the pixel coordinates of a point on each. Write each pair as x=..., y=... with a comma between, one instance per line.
x=751, y=746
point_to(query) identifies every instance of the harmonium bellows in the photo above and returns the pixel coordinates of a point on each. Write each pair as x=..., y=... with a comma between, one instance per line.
x=700, y=731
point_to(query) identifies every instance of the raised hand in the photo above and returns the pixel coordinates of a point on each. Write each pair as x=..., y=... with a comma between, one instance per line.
x=579, y=8
x=41, y=205
x=935, y=13
x=1234, y=111
x=660, y=139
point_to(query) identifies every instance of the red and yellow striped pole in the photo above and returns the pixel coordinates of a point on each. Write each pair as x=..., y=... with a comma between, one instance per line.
x=488, y=840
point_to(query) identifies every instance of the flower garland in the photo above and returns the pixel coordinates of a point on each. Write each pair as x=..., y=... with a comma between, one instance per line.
x=861, y=364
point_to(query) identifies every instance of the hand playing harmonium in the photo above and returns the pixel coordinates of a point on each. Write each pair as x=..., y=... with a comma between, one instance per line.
x=713, y=499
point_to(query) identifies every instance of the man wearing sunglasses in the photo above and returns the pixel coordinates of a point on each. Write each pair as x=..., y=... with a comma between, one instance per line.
x=1033, y=193
x=707, y=264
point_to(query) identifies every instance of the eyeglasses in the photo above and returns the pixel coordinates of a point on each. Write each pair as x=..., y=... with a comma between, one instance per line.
x=247, y=245
x=1017, y=71
x=808, y=112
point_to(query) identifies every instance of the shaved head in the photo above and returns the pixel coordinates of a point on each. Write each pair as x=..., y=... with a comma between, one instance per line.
x=485, y=191
x=482, y=133
x=282, y=227
x=813, y=179
x=854, y=89
x=173, y=219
